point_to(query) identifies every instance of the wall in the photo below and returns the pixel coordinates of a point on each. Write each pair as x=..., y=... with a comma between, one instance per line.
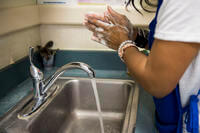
x=69, y=37
x=19, y=28
x=22, y=26
x=15, y=3
x=14, y=46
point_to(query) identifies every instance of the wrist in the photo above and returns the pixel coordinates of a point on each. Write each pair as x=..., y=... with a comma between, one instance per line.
x=128, y=52
x=125, y=45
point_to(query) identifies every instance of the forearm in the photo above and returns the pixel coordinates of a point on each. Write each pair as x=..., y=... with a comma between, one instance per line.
x=135, y=62
x=160, y=72
x=140, y=68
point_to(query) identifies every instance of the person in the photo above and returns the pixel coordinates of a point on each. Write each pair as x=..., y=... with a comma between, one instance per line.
x=171, y=72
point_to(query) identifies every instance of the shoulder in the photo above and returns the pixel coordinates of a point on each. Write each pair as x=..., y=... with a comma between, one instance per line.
x=179, y=20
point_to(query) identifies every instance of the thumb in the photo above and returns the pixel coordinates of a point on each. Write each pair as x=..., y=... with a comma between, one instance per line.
x=111, y=11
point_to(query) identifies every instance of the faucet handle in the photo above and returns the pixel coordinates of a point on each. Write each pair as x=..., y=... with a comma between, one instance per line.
x=31, y=52
x=35, y=72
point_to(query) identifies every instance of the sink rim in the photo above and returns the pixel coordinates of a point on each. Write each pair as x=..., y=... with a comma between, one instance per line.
x=30, y=95
x=64, y=81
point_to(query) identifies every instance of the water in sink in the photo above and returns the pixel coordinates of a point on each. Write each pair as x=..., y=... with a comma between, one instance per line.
x=94, y=86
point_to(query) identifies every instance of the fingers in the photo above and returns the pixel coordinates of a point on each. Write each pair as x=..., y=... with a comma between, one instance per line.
x=96, y=27
x=93, y=20
x=100, y=30
x=99, y=40
x=102, y=41
x=110, y=19
x=116, y=17
x=96, y=39
x=91, y=27
x=99, y=23
x=113, y=16
x=95, y=16
x=112, y=12
x=97, y=31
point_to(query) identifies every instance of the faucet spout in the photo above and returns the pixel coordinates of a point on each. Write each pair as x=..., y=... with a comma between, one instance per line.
x=74, y=65
x=41, y=86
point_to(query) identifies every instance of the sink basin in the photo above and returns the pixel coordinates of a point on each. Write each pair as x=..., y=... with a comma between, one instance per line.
x=72, y=109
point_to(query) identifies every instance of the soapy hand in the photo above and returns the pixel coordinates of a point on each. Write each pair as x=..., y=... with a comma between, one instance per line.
x=100, y=18
x=96, y=16
x=111, y=35
x=110, y=29
x=120, y=19
x=91, y=27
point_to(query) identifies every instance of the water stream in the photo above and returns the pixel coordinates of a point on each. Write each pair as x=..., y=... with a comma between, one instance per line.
x=94, y=86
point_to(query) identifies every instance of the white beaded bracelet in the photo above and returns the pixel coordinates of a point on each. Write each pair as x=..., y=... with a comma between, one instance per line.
x=123, y=46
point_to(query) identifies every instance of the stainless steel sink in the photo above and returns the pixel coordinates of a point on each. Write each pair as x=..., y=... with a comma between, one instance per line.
x=72, y=109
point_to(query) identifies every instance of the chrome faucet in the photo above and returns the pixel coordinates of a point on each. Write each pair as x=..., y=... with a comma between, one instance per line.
x=41, y=86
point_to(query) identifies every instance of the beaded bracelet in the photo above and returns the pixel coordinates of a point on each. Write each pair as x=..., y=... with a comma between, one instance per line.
x=124, y=45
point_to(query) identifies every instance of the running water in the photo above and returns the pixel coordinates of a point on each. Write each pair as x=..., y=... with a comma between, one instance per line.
x=94, y=86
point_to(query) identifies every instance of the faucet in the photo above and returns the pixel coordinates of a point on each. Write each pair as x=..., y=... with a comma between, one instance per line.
x=41, y=85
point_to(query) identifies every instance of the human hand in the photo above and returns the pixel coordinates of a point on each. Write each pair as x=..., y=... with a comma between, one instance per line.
x=109, y=29
x=100, y=17
x=111, y=35
x=93, y=15
x=120, y=19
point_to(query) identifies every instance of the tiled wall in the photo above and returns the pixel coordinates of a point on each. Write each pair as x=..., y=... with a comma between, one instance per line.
x=14, y=46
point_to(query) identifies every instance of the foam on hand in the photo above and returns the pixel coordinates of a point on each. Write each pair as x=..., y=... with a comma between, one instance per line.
x=98, y=29
x=95, y=15
x=100, y=18
x=92, y=13
x=102, y=41
x=105, y=23
x=97, y=39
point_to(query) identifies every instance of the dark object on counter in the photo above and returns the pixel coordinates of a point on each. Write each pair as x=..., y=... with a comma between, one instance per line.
x=46, y=51
x=47, y=55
